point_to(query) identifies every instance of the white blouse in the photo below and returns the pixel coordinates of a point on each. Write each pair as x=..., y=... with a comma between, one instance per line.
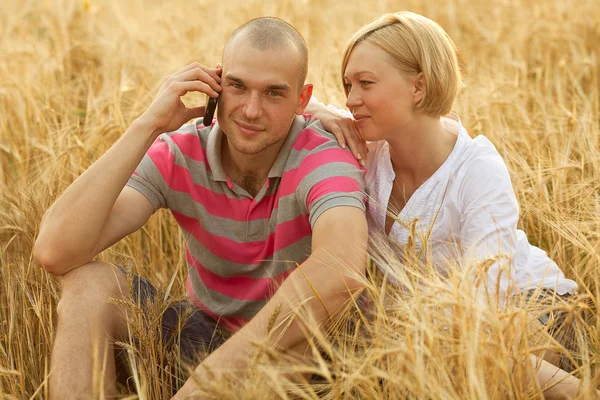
x=472, y=211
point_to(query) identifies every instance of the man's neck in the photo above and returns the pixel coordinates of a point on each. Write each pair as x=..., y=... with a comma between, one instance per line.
x=249, y=171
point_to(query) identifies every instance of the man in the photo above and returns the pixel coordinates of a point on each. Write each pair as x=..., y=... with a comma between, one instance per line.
x=259, y=192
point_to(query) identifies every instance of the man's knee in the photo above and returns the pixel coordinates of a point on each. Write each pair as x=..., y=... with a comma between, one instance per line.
x=91, y=287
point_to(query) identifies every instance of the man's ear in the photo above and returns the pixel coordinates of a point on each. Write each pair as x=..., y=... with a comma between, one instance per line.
x=304, y=98
x=419, y=88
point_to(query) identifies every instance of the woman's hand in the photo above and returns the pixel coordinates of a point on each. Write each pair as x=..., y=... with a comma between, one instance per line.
x=343, y=128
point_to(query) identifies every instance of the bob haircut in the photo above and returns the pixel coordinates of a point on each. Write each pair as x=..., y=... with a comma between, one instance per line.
x=416, y=45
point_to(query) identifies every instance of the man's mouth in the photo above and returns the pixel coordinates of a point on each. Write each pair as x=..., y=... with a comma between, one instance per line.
x=249, y=129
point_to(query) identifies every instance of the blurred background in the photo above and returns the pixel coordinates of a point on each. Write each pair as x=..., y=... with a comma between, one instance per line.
x=74, y=74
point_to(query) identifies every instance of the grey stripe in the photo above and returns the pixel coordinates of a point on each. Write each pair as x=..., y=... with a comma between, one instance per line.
x=328, y=171
x=200, y=175
x=222, y=304
x=148, y=191
x=297, y=156
x=354, y=199
x=198, y=170
x=193, y=128
x=278, y=167
x=281, y=261
x=150, y=182
x=238, y=231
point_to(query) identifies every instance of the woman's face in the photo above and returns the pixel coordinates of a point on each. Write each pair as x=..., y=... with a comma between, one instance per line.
x=379, y=96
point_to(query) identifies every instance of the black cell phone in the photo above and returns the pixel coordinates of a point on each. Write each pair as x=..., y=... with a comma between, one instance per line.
x=209, y=112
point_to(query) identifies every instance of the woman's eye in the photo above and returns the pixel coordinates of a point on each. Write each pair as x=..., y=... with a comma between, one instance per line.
x=365, y=83
x=347, y=87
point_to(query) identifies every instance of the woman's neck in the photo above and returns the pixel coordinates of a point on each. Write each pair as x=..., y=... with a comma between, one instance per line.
x=419, y=149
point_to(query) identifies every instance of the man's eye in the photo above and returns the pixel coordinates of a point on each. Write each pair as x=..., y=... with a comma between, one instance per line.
x=237, y=86
x=273, y=93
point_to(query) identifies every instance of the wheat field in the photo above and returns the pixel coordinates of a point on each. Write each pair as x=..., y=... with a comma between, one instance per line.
x=75, y=74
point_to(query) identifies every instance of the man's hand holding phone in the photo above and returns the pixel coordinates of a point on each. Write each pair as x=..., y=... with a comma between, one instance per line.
x=167, y=112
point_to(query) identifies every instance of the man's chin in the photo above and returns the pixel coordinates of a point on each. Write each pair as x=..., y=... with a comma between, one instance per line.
x=249, y=149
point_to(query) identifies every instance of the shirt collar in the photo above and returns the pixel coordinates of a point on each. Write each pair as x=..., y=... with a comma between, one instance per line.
x=278, y=167
x=213, y=153
x=216, y=136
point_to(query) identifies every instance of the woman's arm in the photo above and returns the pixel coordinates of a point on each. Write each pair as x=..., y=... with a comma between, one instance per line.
x=488, y=231
x=341, y=124
x=489, y=217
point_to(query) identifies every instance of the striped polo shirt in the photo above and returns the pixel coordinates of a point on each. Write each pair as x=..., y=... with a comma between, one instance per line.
x=240, y=248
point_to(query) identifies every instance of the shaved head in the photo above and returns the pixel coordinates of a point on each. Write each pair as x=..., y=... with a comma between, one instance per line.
x=269, y=33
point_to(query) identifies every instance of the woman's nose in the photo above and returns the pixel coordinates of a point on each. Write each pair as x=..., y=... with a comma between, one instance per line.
x=353, y=99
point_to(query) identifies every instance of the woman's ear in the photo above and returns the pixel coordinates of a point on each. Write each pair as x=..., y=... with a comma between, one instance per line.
x=418, y=88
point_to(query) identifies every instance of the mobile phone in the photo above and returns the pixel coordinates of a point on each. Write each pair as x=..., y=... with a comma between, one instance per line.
x=209, y=112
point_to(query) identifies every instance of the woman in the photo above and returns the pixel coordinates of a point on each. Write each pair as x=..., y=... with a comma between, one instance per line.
x=401, y=76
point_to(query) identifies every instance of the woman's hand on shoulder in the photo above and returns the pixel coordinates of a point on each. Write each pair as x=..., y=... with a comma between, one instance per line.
x=345, y=131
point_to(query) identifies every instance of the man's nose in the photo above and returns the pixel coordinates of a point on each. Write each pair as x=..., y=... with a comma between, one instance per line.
x=253, y=106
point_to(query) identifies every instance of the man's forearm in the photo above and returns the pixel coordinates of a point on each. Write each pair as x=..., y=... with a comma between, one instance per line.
x=71, y=228
x=321, y=289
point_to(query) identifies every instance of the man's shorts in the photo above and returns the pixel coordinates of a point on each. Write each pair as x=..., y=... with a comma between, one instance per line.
x=559, y=325
x=187, y=333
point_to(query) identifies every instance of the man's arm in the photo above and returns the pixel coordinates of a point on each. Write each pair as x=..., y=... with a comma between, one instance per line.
x=323, y=284
x=97, y=210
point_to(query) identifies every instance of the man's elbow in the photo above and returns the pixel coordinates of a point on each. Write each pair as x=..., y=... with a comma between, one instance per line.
x=49, y=258
x=355, y=278
x=43, y=257
x=353, y=269
x=349, y=275
x=354, y=285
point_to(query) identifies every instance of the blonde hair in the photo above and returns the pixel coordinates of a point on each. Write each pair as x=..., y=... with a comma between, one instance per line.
x=417, y=45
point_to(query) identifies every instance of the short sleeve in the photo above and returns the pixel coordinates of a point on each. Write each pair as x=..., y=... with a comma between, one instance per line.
x=153, y=175
x=328, y=177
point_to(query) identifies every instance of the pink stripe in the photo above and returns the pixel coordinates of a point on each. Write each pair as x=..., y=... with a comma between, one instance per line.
x=291, y=231
x=232, y=324
x=285, y=234
x=223, y=247
x=179, y=179
x=309, y=164
x=313, y=161
x=309, y=140
x=162, y=158
x=238, y=287
x=191, y=146
x=342, y=184
x=216, y=203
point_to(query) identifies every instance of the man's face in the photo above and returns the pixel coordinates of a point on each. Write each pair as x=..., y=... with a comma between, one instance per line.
x=260, y=95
